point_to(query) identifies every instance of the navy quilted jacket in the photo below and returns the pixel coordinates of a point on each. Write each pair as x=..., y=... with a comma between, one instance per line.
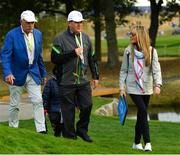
x=51, y=100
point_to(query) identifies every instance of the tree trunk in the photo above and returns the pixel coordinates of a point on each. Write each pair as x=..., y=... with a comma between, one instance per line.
x=179, y=17
x=110, y=32
x=69, y=6
x=97, y=28
x=155, y=9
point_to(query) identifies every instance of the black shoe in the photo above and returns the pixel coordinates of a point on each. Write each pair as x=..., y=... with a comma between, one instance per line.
x=43, y=132
x=57, y=135
x=72, y=137
x=85, y=137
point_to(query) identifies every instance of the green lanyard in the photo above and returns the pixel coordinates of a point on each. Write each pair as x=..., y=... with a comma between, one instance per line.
x=29, y=43
x=79, y=43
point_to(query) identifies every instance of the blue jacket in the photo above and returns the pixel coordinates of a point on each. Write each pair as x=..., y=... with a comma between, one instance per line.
x=15, y=59
x=51, y=96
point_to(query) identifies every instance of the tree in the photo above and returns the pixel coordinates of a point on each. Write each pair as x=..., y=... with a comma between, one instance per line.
x=110, y=25
x=97, y=28
x=114, y=12
x=155, y=9
x=69, y=6
x=171, y=10
x=10, y=15
x=122, y=9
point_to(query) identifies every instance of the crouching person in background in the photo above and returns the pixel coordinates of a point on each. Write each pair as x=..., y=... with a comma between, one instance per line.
x=51, y=103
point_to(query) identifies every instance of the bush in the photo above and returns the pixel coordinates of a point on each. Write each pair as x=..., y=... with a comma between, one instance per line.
x=50, y=26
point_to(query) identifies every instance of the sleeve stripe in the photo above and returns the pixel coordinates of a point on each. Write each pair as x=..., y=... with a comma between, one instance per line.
x=93, y=53
x=56, y=50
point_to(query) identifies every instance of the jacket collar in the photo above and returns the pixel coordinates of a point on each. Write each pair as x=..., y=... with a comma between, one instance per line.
x=23, y=30
x=71, y=32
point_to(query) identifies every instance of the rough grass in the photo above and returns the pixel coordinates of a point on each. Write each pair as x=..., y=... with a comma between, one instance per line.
x=108, y=135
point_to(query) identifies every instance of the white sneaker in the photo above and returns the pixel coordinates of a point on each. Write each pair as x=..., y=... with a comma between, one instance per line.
x=137, y=146
x=148, y=147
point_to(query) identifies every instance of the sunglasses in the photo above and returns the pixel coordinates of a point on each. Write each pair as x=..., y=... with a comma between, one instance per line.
x=131, y=34
x=76, y=22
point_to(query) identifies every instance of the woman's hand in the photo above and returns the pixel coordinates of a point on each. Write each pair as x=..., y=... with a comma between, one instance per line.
x=157, y=90
x=122, y=93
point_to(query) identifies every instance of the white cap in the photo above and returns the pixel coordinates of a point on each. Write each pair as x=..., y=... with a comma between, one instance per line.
x=28, y=16
x=75, y=16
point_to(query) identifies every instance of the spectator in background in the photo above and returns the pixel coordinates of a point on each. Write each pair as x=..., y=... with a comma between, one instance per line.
x=23, y=67
x=51, y=101
x=72, y=53
x=173, y=24
x=140, y=76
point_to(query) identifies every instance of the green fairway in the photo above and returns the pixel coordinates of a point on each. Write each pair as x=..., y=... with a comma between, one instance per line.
x=165, y=45
x=108, y=135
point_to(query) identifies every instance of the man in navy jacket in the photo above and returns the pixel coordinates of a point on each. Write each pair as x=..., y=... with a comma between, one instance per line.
x=23, y=67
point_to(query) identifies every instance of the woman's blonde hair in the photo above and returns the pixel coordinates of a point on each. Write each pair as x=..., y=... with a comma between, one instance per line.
x=143, y=41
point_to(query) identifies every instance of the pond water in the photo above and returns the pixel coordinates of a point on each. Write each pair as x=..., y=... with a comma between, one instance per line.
x=169, y=114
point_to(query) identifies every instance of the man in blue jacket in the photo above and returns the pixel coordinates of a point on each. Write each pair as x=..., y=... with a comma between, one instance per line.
x=23, y=67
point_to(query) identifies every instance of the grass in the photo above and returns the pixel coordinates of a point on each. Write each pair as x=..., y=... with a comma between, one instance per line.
x=169, y=97
x=168, y=45
x=165, y=45
x=108, y=135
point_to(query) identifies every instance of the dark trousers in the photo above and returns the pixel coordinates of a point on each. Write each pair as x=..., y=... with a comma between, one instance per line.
x=55, y=119
x=142, y=126
x=70, y=97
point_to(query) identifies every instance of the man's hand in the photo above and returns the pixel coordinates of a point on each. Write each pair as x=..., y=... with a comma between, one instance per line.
x=79, y=51
x=43, y=81
x=95, y=84
x=10, y=79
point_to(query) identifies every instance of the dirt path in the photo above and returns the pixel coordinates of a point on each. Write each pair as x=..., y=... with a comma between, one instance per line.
x=25, y=109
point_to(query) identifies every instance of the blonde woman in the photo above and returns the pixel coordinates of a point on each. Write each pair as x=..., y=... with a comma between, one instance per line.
x=140, y=77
